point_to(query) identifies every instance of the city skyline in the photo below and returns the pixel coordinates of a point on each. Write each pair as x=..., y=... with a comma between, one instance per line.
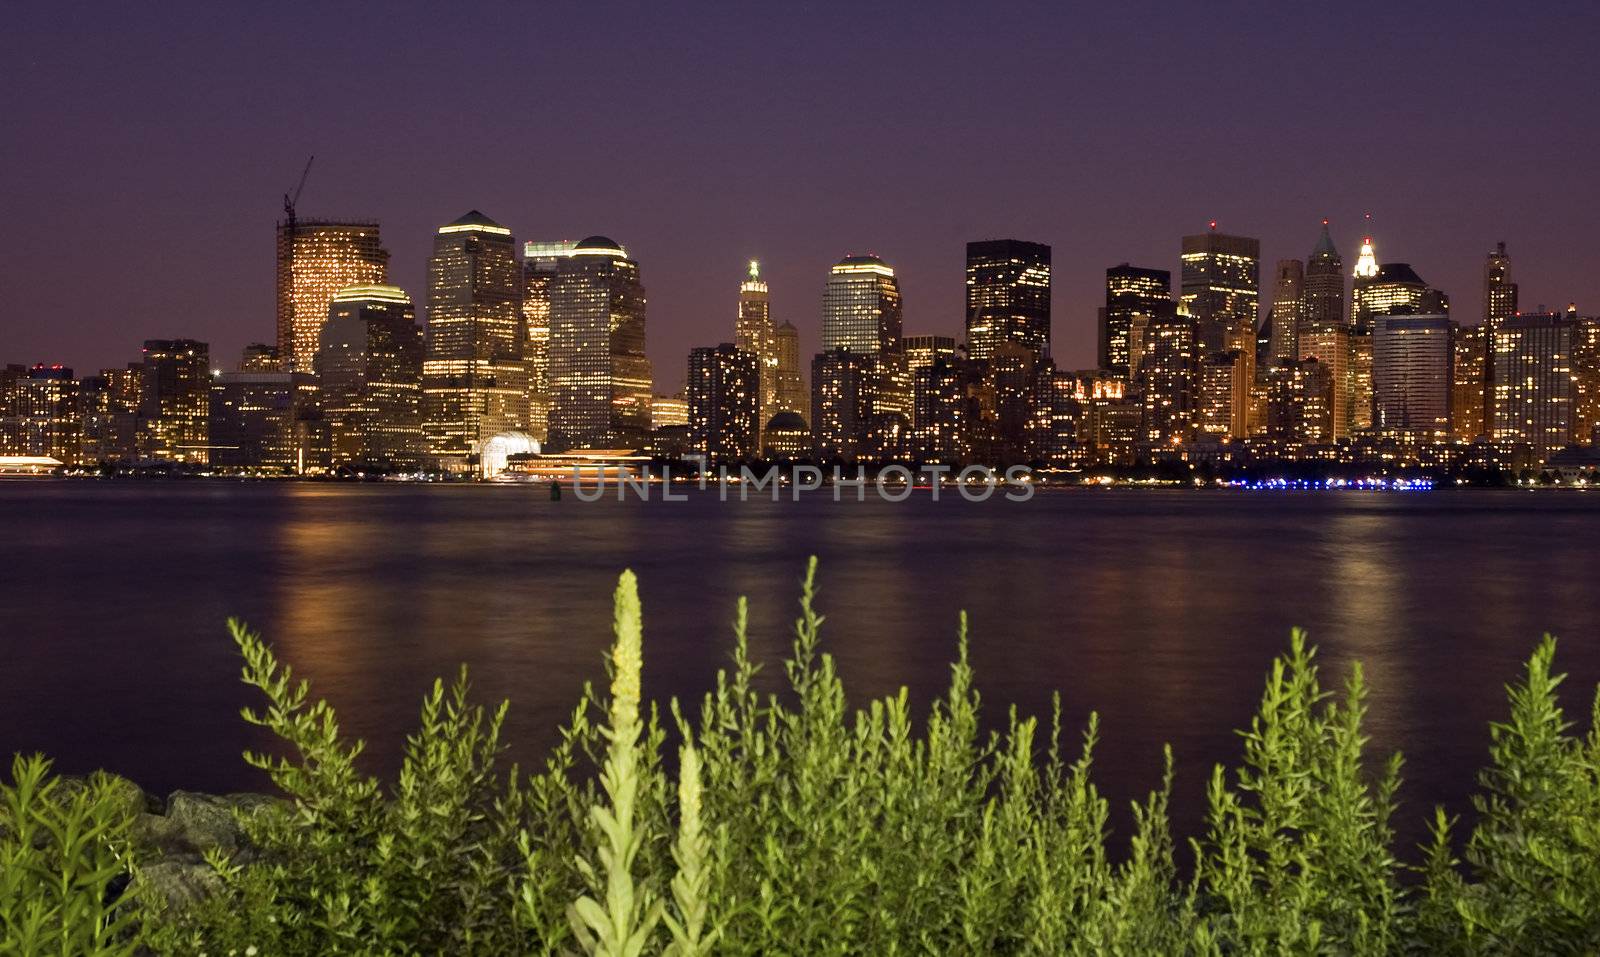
x=174, y=184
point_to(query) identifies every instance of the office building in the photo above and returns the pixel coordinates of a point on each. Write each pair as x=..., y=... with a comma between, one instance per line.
x=1166, y=379
x=317, y=258
x=46, y=417
x=861, y=307
x=369, y=363
x=668, y=411
x=1468, y=400
x=1288, y=312
x=267, y=422
x=540, y=263
x=1132, y=292
x=1329, y=344
x=1324, y=284
x=600, y=378
x=755, y=334
x=1412, y=356
x=175, y=401
x=1008, y=296
x=923, y=351
x=724, y=396
x=842, y=382
x=1221, y=289
x=1533, y=388
x=791, y=388
x=474, y=371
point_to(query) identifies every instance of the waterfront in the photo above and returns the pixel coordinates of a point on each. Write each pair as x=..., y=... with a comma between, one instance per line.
x=1159, y=609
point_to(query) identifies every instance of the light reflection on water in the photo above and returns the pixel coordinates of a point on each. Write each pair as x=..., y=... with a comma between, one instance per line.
x=1159, y=609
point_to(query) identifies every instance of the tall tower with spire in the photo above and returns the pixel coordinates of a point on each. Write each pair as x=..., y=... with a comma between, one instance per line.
x=754, y=333
x=1499, y=306
x=1324, y=284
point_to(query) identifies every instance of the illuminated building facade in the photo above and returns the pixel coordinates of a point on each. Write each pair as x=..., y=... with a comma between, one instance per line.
x=317, y=258
x=1330, y=346
x=1221, y=286
x=755, y=334
x=46, y=415
x=1222, y=398
x=1132, y=293
x=1288, y=312
x=667, y=411
x=861, y=307
x=1585, y=378
x=1167, y=374
x=1324, y=284
x=600, y=380
x=786, y=436
x=791, y=381
x=1393, y=289
x=1008, y=296
x=540, y=263
x=474, y=371
x=724, y=393
x=175, y=401
x=1300, y=405
x=1411, y=375
x=841, y=403
x=267, y=421
x=260, y=357
x=923, y=351
x=370, y=366
x=1467, y=392
x=1499, y=305
x=941, y=411
x=1533, y=389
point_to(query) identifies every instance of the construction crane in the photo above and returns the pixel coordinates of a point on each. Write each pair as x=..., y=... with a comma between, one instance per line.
x=289, y=201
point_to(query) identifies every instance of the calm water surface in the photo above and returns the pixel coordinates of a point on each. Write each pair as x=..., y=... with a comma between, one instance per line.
x=1160, y=610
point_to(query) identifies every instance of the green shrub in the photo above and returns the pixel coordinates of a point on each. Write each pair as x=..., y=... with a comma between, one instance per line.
x=798, y=824
x=64, y=864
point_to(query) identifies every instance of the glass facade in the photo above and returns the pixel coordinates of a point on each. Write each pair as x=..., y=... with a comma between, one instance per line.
x=861, y=307
x=600, y=377
x=1131, y=292
x=316, y=259
x=1008, y=296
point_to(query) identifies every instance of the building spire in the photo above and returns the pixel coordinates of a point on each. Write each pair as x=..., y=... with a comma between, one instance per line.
x=1367, y=261
x=1325, y=247
x=755, y=269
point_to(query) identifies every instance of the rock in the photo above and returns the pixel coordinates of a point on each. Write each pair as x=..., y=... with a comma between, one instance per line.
x=206, y=821
x=179, y=884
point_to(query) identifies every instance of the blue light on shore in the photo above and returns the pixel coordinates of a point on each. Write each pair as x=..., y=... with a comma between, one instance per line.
x=1363, y=484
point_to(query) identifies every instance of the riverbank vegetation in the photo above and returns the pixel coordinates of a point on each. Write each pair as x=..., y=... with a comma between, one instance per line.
x=800, y=824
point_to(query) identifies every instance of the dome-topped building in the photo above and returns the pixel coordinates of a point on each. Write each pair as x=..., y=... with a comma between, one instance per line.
x=600, y=246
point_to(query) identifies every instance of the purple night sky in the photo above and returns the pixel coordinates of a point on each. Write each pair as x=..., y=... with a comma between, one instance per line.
x=146, y=148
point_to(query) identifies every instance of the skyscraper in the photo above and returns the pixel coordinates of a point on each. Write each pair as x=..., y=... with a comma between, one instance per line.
x=841, y=403
x=600, y=381
x=49, y=418
x=317, y=258
x=474, y=373
x=175, y=401
x=1533, y=381
x=1008, y=296
x=1499, y=305
x=1131, y=291
x=791, y=382
x=540, y=263
x=1222, y=289
x=861, y=307
x=923, y=351
x=1468, y=400
x=370, y=367
x=1324, y=285
x=1329, y=344
x=1392, y=290
x=754, y=333
x=1167, y=377
x=267, y=421
x=1288, y=311
x=1411, y=361
x=723, y=390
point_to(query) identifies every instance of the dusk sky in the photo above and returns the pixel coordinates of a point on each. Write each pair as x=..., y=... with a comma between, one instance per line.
x=147, y=147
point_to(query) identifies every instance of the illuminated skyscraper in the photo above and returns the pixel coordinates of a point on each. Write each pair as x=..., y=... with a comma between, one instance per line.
x=1167, y=378
x=1330, y=346
x=1131, y=291
x=260, y=357
x=1222, y=395
x=1300, y=397
x=924, y=351
x=1585, y=378
x=861, y=307
x=1222, y=289
x=1411, y=362
x=941, y=410
x=1324, y=286
x=268, y=422
x=370, y=368
x=540, y=263
x=668, y=411
x=841, y=403
x=1288, y=312
x=600, y=381
x=1468, y=401
x=1393, y=290
x=474, y=372
x=49, y=417
x=1533, y=388
x=1008, y=296
x=723, y=390
x=791, y=382
x=175, y=401
x=316, y=259
x=1499, y=305
x=754, y=333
